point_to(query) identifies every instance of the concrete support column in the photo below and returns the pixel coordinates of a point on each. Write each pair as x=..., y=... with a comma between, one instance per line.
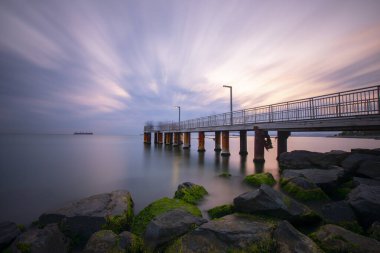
x=259, y=145
x=201, y=142
x=225, y=143
x=217, y=141
x=186, y=140
x=167, y=139
x=176, y=139
x=159, y=138
x=282, y=142
x=170, y=138
x=243, y=143
x=147, y=137
x=155, y=137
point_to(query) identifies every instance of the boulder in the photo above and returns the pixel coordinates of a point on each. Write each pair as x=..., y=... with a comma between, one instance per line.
x=269, y=202
x=169, y=226
x=370, y=169
x=46, y=240
x=375, y=151
x=8, y=232
x=341, y=213
x=365, y=200
x=82, y=218
x=365, y=181
x=232, y=232
x=189, y=192
x=301, y=159
x=353, y=161
x=332, y=238
x=259, y=179
x=220, y=211
x=107, y=241
x=303, y=189
x=327, y=179
x=158, y=207
x=374, y=231
x=290, y=240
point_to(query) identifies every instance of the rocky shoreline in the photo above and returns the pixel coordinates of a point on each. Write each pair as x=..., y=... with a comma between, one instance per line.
x=328, y=202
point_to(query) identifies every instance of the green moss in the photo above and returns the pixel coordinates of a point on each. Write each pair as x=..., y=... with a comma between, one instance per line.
x=260, y=218
x=310, y=217
x=352, y=226
x=119, y=223
x=220, y=211
x=303, y=194
x=21, y=227
x=259, y=179
x=191, y=194
x=7, y=250
x=24, y=247
x=287, y=201
x=137, y=245
x=158, y=207
x=334, y=244
x=225, y=175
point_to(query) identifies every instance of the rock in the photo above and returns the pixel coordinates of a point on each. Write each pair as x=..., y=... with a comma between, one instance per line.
x=8, y=232
x=370, y=169
x=191, y=193
x=105, y=241
x=365, y=200
x=374, y=231
x=290, y=240
x=365, y=181
x=341, y=213
x=82, y=218
x=353, y=161
x=375, y=151
x=302, y=189
x=259, y=179
x=170, y=225
x=332, y=238
x=220, y=211
x=232, y=232
x=327, y=179
x=158, y=207
x=269, y=202
x=46, y=240
x=301, y=159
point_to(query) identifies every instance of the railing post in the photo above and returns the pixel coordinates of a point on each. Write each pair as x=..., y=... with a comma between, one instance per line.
x=339, y=112
x=378, y=99
x=287, y=109
x=243, y=117
x=312, y=113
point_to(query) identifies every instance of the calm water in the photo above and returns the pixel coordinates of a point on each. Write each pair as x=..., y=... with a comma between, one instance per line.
x=43, y=172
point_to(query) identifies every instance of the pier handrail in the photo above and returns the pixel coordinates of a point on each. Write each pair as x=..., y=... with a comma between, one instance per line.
x=345, y=104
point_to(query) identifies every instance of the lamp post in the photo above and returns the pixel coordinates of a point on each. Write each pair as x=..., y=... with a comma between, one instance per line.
x=179, y=116
x=230, y=87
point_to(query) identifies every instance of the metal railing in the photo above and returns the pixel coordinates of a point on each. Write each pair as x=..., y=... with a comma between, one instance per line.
x=357, y=102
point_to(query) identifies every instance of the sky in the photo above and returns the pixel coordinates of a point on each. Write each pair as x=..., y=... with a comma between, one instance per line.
x=111, y=66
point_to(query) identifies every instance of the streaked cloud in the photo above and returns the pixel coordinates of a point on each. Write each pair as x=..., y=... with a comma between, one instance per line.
x=110, y=66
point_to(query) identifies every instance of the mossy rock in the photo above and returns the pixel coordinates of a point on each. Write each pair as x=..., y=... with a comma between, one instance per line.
x=303, y=194
x=343, y=190
x=158, y=207
x=260, y=178
x=122, y=222
x=225, y=175
x=191, y=193
x=220, y=211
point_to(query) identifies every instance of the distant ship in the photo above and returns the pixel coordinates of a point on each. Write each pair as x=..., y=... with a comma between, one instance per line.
x=83, y=133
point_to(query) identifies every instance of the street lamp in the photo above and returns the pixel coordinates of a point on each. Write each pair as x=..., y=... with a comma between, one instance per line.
x=230, y=87
x=179, y=116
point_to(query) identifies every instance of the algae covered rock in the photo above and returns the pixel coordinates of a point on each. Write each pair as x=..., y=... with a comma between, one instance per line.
x=232, y=233
x=259, y=179
x=46, y=240
x=302, y=189
x=290, y=240
x=189, y=192
x=142, y=219
x=170, y=225
x=370, y=169
x=332, y=238
x=8, y=232
x=220, y=211
x=80, y=219
x=267, y=201
x=374, y=230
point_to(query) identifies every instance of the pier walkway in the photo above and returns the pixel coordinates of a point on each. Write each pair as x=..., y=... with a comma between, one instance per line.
x=357, y=109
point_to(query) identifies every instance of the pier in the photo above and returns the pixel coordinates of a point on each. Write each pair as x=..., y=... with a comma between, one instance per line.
x=357, y=109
